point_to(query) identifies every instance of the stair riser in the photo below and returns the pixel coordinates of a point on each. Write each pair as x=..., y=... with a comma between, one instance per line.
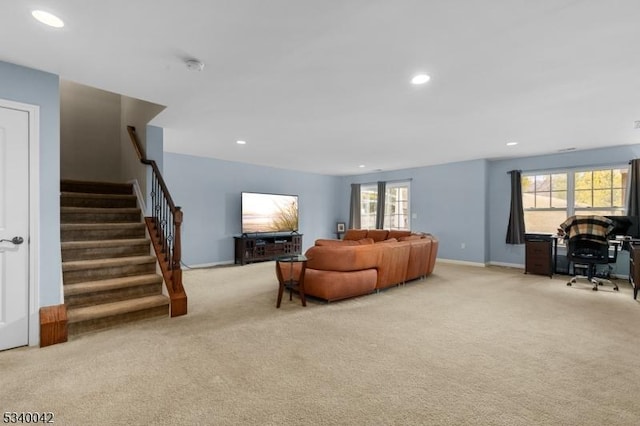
x=82, y=327
x=72, y=277
x=114, y=295
x=69, y=255
x=128, y=202
x=102, y=234
x=99, y=217
x=96, y=187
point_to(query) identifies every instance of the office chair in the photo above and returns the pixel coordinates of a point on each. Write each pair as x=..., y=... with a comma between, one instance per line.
x=589, y=246
x=588, y=254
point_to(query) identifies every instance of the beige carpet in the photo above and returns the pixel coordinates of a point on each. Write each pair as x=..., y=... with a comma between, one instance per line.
x=467, y=346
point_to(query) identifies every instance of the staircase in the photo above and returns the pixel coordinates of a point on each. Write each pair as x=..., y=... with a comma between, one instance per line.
x=108, y=273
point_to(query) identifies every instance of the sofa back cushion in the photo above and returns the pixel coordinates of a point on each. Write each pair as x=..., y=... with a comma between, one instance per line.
x=396, y=233
x=355, y=234
x=343, y=258
x=377, y=234
x=365, y=241
x=410, y=238
x=331, y=242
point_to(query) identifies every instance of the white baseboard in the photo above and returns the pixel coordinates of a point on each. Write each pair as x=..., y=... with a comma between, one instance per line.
x=139, y=196
x=507, y=265
x=460, y=262
x=208, y=265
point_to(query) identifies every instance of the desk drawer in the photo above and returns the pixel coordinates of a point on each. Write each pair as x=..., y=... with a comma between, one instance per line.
x=538, y=257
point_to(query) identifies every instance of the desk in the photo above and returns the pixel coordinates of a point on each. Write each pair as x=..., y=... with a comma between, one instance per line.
x=288, y=282
x=541, y=253
x=634, y=266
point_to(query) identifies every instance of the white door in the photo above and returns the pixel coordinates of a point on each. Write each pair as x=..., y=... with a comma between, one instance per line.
x=14, y=228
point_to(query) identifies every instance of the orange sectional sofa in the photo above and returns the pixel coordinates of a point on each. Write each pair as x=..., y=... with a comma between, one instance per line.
x=365, y=261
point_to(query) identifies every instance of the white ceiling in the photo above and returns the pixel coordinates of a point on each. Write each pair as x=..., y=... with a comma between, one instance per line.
x=323, y=86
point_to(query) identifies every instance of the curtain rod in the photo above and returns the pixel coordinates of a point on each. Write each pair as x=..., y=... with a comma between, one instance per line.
x=387, y=181
x=574, y=168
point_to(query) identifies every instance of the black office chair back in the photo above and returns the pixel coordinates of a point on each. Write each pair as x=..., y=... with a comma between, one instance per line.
x=588, y=251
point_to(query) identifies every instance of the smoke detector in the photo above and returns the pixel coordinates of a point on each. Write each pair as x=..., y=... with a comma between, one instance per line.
x=636, y=124
x=194, y=65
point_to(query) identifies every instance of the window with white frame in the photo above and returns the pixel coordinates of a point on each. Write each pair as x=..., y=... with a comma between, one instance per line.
x=549, y=198
x=396, y=209
x=368, y=203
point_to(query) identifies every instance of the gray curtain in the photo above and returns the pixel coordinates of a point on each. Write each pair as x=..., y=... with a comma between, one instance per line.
x=382, y=192
x=633, y=202
x=354, y=207
x=515, y=230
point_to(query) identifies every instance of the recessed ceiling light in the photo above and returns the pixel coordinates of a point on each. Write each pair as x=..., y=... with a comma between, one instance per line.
x=241, y=142
x=361, y=166
x=420, y=79
x=512, y=143
x=48, y=18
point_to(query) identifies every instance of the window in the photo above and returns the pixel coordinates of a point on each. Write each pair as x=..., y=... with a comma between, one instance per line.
x=549, y=198
x=368, y=203
x=396, y=209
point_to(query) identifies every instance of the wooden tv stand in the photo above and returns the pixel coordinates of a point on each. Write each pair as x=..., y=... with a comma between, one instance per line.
x=261, y=247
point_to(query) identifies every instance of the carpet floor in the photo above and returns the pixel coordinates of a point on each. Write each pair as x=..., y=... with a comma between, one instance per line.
x=466, y=346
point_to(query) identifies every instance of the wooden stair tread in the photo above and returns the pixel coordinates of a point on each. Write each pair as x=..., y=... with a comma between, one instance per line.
x=97, y=195
x=94, y=183
x=110, y=284
x=103, y=243
x=98, y=210
x=115, y=308
x=109, y=225
x=78, y=265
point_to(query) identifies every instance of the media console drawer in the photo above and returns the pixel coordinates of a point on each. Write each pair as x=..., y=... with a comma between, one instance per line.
x=260, y=248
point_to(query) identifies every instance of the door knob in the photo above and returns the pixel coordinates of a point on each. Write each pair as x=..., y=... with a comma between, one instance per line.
x=14, y=240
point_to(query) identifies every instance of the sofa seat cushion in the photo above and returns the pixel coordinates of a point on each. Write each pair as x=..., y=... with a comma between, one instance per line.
x=334, y=285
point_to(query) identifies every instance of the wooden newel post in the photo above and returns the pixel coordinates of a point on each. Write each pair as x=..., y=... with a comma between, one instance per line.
x=177, y=252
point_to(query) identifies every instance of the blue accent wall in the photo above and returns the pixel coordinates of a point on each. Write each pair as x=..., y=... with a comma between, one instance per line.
x=34, y=87
x=447, y=200
x=208, y=190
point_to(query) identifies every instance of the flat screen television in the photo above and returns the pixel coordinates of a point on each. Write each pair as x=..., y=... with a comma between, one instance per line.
x=264, y=213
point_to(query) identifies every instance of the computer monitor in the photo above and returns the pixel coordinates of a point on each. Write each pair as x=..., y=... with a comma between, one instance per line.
x=625, y=225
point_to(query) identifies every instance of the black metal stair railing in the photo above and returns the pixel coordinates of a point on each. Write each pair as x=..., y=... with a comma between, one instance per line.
x=166, y=222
